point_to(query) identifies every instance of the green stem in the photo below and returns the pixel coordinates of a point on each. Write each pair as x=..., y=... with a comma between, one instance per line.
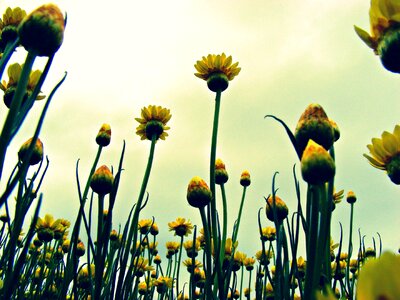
x=132, y=235
x=313, y=268
x=349, y=253
x=214, y=232
x=235, y=234
x=14, y=108
x=208, y=267
x=98, y=258
x=179, y=267
x=225, y=224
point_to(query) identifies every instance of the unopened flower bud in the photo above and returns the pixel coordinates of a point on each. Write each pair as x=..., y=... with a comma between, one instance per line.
x=388, y=50
x=103, y=138
x=37, y=152
x=221, y=175
x=42, y=31
x=102, y=181
x=314, y=124
x=80, y=249
x=317, y=166
x=245, y=178
x=351, y=197
x=198, y=192
x=280, y=207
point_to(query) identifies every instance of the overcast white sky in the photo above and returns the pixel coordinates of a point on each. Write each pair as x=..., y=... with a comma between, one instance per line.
x=123, y=55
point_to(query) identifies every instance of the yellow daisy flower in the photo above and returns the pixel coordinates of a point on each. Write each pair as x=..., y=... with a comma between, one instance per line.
x=217, y=70
x=385, y=153
x=14, y=73
x=181, y=227
x=8, y=25
x=47, y=226
x=153, y=121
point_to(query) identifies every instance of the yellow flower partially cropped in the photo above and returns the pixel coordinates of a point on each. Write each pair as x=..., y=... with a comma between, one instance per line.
x=379, y=278
x=217, y=70
x=384, y=17
x=153, y=121
x=181, y=227
x=385, y=153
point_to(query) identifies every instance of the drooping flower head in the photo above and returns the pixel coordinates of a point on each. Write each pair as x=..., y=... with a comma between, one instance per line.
x=384, y=17
x=181, y=227
x=217, y=70
x=385, y=154
x=153, y=121
x=8, y=25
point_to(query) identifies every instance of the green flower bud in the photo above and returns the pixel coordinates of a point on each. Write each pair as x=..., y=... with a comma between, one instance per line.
x=388, y=50
x=314, y=124
x=281, y=209
x=102, y=181
x=221, y=175
x=198, y=192
x=103, y=138
x=351, y=197
x=42, y=31
x=245, y=178
x=37, y=153
x=317, y=166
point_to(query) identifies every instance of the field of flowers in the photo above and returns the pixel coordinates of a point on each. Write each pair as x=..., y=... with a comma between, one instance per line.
x=96, y=256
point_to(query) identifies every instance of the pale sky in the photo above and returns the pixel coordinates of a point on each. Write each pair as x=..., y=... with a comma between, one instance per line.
x=129, y=54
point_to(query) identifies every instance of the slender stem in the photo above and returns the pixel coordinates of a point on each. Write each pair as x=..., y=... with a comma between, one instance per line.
x=350, y=252
x=214, y=232
x=208, y=267
x=98, y=257
x=313, y=269
x=224, y=223
x=132, y=235
x=179, y=267
x=235, y=234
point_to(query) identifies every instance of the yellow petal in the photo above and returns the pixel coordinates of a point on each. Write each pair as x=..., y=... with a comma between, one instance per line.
x=375, y=163
x=390, y=143
x=365, y=37
x=380, y=151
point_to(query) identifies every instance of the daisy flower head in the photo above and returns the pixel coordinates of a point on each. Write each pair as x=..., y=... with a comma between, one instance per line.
x=217, y=70
x=153, y=122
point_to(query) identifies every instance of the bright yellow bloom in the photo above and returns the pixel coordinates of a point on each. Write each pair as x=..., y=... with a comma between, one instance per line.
x=163, y=284
x=141, y=266
x=217, y=70
x=385, y=153
x=383, y=14
x=153, y=121
x=216, y=64
x=8, y=25
x=46, y=227
x=181, y=227
x=379, y=278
